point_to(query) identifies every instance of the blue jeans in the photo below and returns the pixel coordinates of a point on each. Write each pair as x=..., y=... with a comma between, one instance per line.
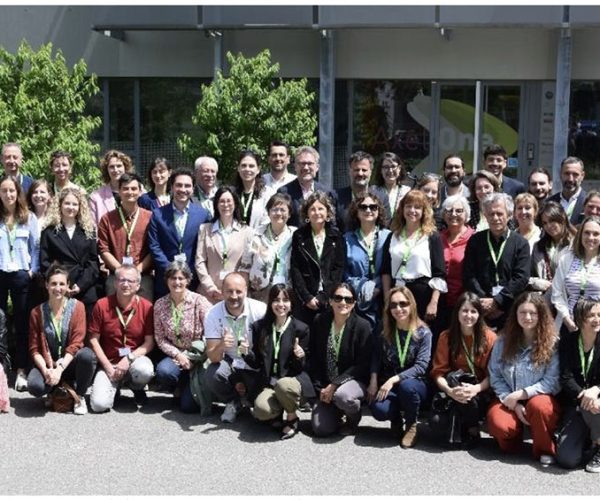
x=169, y=375
x=17, y=284
x=407, y=396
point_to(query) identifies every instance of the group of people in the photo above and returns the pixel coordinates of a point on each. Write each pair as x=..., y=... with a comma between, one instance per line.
x=276, y=294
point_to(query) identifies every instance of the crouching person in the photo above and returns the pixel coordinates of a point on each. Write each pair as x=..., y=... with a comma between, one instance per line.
x=121, y=335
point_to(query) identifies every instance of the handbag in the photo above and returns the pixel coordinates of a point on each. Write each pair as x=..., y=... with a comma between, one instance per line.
x=63, y=398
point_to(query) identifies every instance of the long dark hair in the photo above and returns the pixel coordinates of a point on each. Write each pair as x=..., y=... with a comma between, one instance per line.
x=455, y=332
x=21, y=210
x=259, y=183
x=269, y=318
x=237, y=212
x=555, y=213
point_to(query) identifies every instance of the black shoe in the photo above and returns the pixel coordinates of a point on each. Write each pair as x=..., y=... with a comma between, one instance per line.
x=594, y=464
x=305, y=407
x=140, y=397
x=292, y=428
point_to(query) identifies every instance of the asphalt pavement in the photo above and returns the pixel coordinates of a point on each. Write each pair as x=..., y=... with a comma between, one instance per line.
x=157, y=450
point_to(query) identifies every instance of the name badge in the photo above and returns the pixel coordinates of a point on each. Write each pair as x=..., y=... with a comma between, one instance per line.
x=180, y=257
x=273, y=381
x=238, y=364
x=496, y=290
x=128, y=261
x=124, y=351
x=279, y=280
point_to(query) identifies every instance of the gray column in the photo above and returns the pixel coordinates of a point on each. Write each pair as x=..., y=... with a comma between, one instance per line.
x=105, y=114
x=326, y=107
x=217, y=38
x=434, y=129
x=563, y=94
x=478, y=125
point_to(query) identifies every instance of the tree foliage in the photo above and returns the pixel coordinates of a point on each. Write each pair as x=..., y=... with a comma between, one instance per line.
x=42, y=106
x=247, y=110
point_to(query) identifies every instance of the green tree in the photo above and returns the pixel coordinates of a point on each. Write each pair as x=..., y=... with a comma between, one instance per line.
x=248, y=109
x=42, y=106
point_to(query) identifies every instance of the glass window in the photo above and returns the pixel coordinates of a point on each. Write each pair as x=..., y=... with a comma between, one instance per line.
x=121, y=111
x=584, y=131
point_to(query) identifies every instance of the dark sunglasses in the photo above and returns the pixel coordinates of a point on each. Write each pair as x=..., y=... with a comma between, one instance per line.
x=399, y=305
x=343, y=298
x=364, y=207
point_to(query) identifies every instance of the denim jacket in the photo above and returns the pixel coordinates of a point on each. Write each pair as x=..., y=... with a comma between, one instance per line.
x=522, y=374
x=26, y=247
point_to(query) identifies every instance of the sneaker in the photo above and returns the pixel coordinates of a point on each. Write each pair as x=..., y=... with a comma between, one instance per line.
x=594, y=464
x=21, y=382
x=547, y=460
x=410, y=436
x=81, y=407
x=140, y=397
x=230, y=412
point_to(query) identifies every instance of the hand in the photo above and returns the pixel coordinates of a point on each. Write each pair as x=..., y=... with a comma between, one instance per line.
x=494, y=312
x=457, y=394
x=595, y=407
x=228, y=338
x=244, y=346
x=313, y=304
x=120, y=369
x=74, y=290
x=544, y=284
x=588, y=397
x=215, y=296
x=384, y=390
x=298, y=351
x=372, y=391
x=487, y=304
x=183, y=361
x=521, y=413
x=54, y=375
x=326, y=394
x=469, y=391
x=431, y=311
x=570, y=324
x=512, y=399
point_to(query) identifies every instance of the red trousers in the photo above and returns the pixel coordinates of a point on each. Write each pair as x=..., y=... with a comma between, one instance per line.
x=542, y=412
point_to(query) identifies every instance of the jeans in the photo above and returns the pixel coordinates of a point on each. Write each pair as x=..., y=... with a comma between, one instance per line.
x=406, y=396
x=169, y=375
x=17, y=284
x=221, y=379
x=346, y=400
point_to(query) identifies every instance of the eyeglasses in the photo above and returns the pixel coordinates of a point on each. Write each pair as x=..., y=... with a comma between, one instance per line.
x=123, y=281
x=305, y=163
x=457, y=211
x=364, y=207
x=390, y=167
x=278, y=210
x=399, y=305
x=348, y=299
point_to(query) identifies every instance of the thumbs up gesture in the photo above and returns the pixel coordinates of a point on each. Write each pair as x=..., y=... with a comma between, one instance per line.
x=228, y=338
x=244, y=345
x=298, y=351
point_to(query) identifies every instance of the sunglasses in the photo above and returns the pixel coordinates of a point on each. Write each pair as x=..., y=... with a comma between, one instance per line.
x=364, y=207
x=399, y=305
x=348, y=299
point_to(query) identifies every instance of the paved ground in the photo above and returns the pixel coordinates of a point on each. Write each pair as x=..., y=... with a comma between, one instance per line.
x=160, y=451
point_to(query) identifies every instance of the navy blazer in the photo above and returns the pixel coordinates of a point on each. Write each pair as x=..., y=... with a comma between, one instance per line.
x=577, y=215
x=511, y=186
x=163, y=241
x=295, y=191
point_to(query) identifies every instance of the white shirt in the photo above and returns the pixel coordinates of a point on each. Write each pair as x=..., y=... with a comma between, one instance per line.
x=272, y=183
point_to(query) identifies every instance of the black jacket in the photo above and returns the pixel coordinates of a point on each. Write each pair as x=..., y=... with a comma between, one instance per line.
x=571, y=377
x=294, y=189
x=261, y=356
x=354, y=359
x=4, y=357
x=306, y=268
x=577, y=214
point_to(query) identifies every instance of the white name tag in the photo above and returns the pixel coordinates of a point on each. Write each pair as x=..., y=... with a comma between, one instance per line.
x=180, y=257
x=496, y=290
x=128, y=261
x=124, y=351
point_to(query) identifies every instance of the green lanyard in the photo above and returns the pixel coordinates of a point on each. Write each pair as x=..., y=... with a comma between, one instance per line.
x=237, y=328
x=58, y=329
x=402, y=352
x=177, y=316
x=408, y=250
x=180, y=223
x=276, y=336
x=274, y=241
x=125, y=322
x=337, y=339
x=585, y=274
x=370, y=248
x=571, y=206
x=319, y=243
x=246, y=201
x=470, y=355
x=222, y=233
x=129, y=230
x=496, y=258
x=585, y=366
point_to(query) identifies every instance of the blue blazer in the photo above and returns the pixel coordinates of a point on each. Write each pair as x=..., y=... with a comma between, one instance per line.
x=164, y=241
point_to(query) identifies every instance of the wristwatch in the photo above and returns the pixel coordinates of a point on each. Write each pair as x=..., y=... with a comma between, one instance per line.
x=131, y=357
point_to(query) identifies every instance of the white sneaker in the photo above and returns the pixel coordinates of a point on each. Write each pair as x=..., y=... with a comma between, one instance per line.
x=21, y=382
x=230, y=412
x=547, y=460
x=81, y=408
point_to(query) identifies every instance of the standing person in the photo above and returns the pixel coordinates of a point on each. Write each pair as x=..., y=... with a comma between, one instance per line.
x=19, y=259
x=39, y=197
x=229, y=339
x=365, y=240
x=159, y=173
x=122, y=335
x=526, y=209
x=57, y=330
x=591, y=204
x=429, y=184
x=465, y=346
x=178, y=322
x=524, y=374
x=61, y=165
x=578, y=272
x=389, y=176
x=70, y=240
x=318, y=257
x=497, y=261
x=106, y=198
x=572, y=195
x=173, y=230
x=539, y=184
x=482, y=183
x=221, y=244
x=278, y=159
x=4, y=365
x=12, y=160
x=399, y=366
x=266, y=261
x=307, y=166
x=579, y=355
x=206, y=169
x=495, y=159
x=123, y=236
x=280, y=348
x=413, y=256
x=251, y=190
x=341, y=346
x=454, y=175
